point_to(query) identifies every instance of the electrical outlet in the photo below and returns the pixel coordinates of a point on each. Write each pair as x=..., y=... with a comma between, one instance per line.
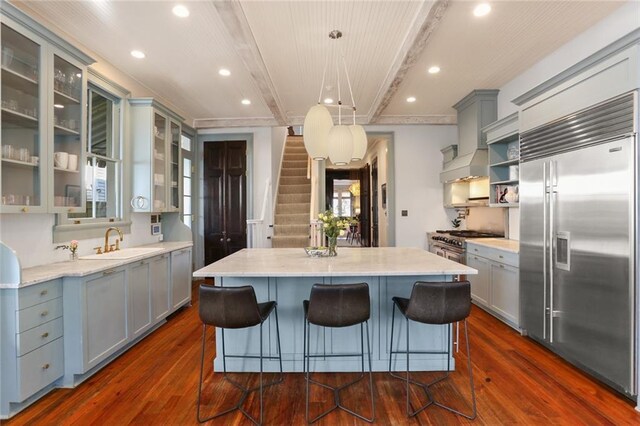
x=160, y=238
x=405, y=212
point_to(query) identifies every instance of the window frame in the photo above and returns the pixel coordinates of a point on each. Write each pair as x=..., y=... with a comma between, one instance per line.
x=76, y=228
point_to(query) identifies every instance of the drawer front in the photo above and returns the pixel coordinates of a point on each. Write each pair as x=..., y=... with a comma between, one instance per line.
x=38, y=336
x=39, y=293
x=497, y=255
x=34, y=316
x=40, y=368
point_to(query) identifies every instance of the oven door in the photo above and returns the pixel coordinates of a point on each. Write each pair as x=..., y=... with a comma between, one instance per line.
x=456, y=257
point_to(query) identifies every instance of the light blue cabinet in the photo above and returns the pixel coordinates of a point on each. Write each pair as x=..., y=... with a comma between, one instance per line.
x=32, y=344
x=180, y=278
x=140, y=296
x=496, y=287
x=95, y=318
x=160, y=286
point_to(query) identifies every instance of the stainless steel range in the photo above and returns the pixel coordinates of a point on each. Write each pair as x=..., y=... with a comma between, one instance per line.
x=452, y=244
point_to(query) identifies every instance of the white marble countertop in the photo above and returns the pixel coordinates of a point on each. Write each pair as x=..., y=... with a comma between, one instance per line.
x=81, y=268
x=294, y=262
x=512, y=246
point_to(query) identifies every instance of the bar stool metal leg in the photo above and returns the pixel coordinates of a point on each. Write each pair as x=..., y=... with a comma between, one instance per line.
x=245, y=391
x=336, y=390
x=426, y=386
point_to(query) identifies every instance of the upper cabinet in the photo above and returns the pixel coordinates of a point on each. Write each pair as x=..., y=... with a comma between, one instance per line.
x=155, y=132
x=504, y=159
x=43, y=119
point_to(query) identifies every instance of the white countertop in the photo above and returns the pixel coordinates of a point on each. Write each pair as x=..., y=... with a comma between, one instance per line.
x=294, y=262
x=512, y=246
x=81, y=268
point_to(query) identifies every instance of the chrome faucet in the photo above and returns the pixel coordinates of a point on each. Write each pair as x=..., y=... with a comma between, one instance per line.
x=107, y=248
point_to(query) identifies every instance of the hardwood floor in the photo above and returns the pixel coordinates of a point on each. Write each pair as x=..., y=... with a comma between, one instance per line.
x=155, y=383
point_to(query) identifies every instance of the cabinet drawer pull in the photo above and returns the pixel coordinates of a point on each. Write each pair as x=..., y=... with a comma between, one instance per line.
x=109, y=272
x=44, y=292
x=45, y=335
x=500, y=256
x=475, y=249
x=44, y=313
x=502, y=266
x=475, y=257
x=46, y=366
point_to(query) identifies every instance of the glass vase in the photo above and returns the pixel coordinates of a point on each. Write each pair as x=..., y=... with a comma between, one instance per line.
x=333, y=243
x=73, y=256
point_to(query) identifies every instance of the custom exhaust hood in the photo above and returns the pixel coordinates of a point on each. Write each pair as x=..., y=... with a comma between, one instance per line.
x=476, y=110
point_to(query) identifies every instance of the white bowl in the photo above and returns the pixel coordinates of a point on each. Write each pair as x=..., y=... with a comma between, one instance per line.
x=316, y=251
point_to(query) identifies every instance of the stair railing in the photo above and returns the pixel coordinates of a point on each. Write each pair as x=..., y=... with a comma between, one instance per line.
x=256, y=228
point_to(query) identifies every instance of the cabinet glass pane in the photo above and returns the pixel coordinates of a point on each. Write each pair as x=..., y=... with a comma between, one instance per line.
x=67, y=145
x=159, y=155
x=20, y=142
x=175, y=165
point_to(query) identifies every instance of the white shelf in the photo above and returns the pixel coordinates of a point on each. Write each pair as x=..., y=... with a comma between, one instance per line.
x=60, y=97
x=60, y=169
x=19, y=163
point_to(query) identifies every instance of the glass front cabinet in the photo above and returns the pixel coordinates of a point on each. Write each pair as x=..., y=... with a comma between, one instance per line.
x=155, y=132
x=43, y=119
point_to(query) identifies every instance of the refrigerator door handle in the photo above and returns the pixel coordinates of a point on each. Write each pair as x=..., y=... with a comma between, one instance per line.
x=552, y=192
x=545, y=195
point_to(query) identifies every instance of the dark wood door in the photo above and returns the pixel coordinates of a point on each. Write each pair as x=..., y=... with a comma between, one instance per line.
x=225, y=207
x=374, y=203
x=365, y=205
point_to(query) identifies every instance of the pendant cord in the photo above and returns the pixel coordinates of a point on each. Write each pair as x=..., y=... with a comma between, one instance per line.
x=353, y=102
x=324, y=75
x=339, y=95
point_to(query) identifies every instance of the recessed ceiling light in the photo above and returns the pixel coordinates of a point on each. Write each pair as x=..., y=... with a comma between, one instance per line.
x=434, y=69
x=138, y=54
x=246, y=102
x=58, y=106
x=79, y=75
x=225, y=72
x=328, y=101
x=411, y=99
x=180, y=11
x=482, y=9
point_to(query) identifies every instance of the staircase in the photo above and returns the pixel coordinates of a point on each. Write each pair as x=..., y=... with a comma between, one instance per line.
x=291, y=222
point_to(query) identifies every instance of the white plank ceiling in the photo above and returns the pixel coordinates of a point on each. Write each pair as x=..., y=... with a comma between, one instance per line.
x=276, y=51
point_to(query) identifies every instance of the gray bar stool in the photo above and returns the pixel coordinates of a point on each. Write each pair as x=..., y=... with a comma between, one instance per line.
x=435, y=303
x=235, y=307
x=337, y=305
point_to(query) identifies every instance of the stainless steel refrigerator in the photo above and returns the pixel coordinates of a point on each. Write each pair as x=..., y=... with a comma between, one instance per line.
x=578, y=239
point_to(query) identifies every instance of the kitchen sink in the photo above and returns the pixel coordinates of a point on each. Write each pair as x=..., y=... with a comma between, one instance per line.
x=122, y=254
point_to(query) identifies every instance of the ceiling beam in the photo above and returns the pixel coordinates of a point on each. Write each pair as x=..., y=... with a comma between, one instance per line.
x=245, y=45
x=413, y=46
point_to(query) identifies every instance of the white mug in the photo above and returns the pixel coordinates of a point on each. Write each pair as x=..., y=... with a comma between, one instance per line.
x=73, y=162
x=61, y=159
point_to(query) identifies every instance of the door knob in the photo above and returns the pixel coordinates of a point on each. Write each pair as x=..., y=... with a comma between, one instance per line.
x=228, y=239
x=221, y=240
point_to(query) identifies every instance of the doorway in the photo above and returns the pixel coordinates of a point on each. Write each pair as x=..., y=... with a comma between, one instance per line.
x=224, y=198
x=347, y=195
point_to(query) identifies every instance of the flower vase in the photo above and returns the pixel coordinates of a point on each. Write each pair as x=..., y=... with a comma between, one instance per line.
x=73, y=256
x=333, y=243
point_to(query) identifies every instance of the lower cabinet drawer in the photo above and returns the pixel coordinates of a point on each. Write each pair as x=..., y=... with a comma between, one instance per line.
x=40, y=368
x=39, y=293
x=39, y=314
x=38, y=336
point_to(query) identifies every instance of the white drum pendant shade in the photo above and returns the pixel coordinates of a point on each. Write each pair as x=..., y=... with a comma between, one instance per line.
x=340, y=145
x=359, y=142
x=317, y=125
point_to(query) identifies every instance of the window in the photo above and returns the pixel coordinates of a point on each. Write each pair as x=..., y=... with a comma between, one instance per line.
x=105, y=165
x=186, y=143
x=342, y=203
x=103, y=171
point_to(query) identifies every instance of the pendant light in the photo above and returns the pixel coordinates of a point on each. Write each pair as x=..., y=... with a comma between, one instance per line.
x=341, y=143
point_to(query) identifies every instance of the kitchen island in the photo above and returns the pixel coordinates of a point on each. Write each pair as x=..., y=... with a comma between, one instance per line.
x=287, y=275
